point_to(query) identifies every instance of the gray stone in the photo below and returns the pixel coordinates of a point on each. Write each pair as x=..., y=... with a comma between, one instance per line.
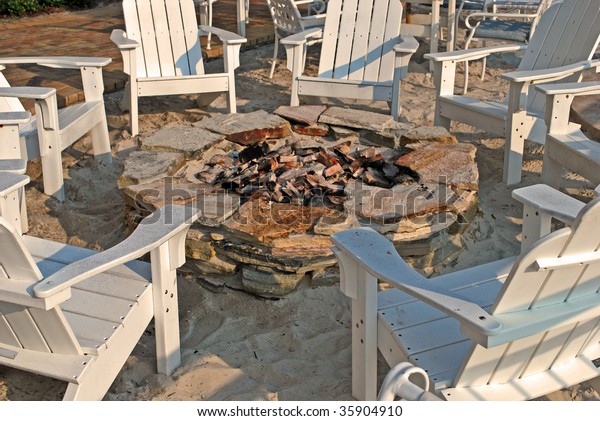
x=385, y=138
x=191, y=141
x=167, y=190
x=325, y=277
x=358, y=119
x=198, y=245
x=142, y=167
x=221, y=283
x=217, y=208
x=302, y=246
x=452, y=164
x=249, y=128
x=306, y=114
x=266, y=281
x=248, y=254
x=339, y=132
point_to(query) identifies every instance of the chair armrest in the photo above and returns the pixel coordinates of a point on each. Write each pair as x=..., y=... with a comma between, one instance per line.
x=119, y=38
x=483, y=15
x=9, y=182
x=407, y=44
x=155, y=230
x=376, y=255
x=548, y=201
x=301, y=38
x=225, y=36
x=63, y=62
x=313, y=20
x=12, y=118
x=473, y=53
x=30, y=92
x=573, y=88
x=549, y=75
x=15, y=166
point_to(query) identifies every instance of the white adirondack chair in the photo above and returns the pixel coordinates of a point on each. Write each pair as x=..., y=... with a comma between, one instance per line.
x=515, y=23
x=162, y=54
x=360, y=58
x=288, y=20
x=566, y=36
x=52, y=130
x=75, y=315
x=566, y=145
x=13, y=206
x=513, y=329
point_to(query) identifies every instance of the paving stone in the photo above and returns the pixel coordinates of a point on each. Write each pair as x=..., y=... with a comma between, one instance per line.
x=191, y=141
x=339, y=132
x=142, y=167
x=358, y=119
x=306, y=114
x=167, y=190
x=249, y=128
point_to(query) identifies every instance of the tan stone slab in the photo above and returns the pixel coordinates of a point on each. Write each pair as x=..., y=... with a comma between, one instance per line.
x=452, y=164
x=306, y=114
x=261, y=221
x=249, y=128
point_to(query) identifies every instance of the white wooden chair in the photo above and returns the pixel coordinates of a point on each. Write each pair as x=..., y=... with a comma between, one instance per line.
x=360, y=58
x=565, y=39
x=566, y=145
x=513, y=329
x=75, y=315
x=52, y=130
x=516, y=22
x=162, y=54
x=288, y=20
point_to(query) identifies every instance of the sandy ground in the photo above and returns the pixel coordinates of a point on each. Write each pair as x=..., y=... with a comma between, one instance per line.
x=236, y=346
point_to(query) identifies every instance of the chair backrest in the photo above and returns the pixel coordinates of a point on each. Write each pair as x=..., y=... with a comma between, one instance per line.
x=359, y=38
x=8, y=104
x=167, y=31
x=562, y=269
x=286, y=16
x=24, y=326
x=567, y=33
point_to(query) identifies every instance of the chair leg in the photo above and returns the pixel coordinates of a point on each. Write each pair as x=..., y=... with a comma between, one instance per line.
x=101, y=141
x=551, y=170
x=52, y=170
x=483, y=63
x=130, y=101
x=275, y=51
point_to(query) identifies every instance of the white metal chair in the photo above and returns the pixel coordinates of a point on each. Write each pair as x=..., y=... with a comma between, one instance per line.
x=288, y=20
x=162, y=54
x=206, y=16
x=52, y=130
x=75, y=314
x=513, y=329
x=360, y=58
x=562, y=45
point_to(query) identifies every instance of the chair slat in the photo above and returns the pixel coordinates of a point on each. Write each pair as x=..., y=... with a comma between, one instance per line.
x=360, y=42
x=163, y=39
x=345, y=39
x=330, y=31
x=390, y=38
x=148, y=39
x=190, y=28
x=376, y=36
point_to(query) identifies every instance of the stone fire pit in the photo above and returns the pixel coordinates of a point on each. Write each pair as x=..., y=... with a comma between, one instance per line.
x=274, y=187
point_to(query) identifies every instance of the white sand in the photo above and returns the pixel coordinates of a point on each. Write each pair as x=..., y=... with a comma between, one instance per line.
x=236, y=346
